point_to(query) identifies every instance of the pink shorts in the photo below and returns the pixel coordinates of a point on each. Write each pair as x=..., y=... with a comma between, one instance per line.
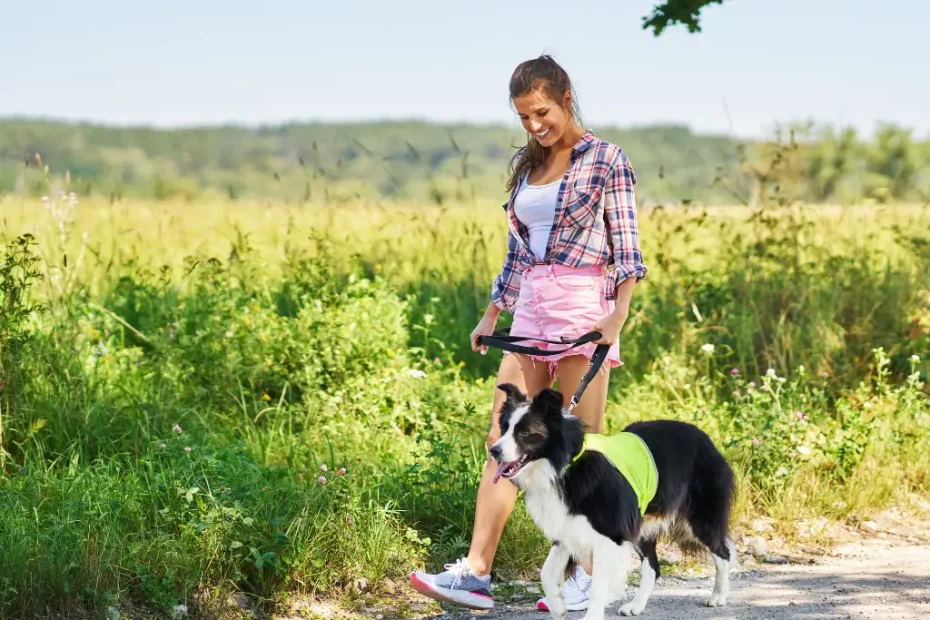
x=557, y=302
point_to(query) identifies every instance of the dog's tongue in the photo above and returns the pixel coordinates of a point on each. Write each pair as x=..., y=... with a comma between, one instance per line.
x=500, y=470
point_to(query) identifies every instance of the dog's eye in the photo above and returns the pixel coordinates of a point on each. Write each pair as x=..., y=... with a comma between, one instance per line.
x=524, y=433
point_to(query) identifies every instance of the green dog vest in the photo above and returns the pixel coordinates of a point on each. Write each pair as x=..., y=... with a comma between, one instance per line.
x=632, y=458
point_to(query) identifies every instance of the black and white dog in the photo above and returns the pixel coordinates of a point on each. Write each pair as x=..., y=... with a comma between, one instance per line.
x=589, y=510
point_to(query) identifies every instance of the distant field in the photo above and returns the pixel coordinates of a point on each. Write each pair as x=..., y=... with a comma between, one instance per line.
x=271, y=340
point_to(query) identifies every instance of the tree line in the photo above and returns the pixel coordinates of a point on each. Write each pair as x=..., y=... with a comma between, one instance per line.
x=439, y=163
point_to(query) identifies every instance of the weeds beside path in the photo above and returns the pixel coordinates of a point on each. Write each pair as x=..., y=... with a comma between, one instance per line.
x=213, y=402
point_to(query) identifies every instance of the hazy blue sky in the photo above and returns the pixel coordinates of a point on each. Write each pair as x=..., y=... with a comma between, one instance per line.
x=209, y=61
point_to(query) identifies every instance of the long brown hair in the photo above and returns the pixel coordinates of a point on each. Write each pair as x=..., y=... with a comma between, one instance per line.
x=546, y=75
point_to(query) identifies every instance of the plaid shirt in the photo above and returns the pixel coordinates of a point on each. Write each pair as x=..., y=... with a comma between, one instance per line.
x=595, y=223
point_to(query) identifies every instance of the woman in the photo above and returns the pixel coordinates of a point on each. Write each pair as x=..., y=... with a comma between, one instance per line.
x=572, y=213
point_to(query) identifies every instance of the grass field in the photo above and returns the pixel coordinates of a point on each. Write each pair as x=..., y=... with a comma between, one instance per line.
x=197, y=399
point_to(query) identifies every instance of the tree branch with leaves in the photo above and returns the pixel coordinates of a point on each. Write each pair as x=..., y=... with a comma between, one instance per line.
x=671, y=12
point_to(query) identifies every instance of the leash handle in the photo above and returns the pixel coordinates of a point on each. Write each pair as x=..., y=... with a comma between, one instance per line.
x=502, y=339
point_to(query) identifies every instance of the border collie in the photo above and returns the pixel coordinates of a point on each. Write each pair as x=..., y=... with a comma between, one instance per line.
x=588, y=509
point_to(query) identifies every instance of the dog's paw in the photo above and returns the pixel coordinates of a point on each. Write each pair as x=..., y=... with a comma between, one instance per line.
x=717, y=600
x=593, y=615
x=631, y=609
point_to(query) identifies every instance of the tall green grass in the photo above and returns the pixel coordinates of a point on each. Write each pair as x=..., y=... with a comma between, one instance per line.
x=182, y=386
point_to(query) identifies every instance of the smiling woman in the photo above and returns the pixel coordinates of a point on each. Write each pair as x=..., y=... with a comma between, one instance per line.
x=545, y=101
x=573, y=260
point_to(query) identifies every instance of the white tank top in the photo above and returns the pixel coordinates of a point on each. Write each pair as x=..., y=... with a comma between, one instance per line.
x=535, y=207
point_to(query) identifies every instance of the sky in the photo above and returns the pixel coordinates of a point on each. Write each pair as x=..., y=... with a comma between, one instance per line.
x=195, y=62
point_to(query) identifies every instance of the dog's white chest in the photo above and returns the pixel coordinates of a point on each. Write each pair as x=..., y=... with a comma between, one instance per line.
x=548, y=511
x=550, y=514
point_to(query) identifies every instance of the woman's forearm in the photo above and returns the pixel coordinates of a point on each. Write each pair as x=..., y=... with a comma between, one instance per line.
x=492, y=312
x=624, y=296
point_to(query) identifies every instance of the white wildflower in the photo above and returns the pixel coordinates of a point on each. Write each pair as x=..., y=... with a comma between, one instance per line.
x=708, y=348
x=416, y=373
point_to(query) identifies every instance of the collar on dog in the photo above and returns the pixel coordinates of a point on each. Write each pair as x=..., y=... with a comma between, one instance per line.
x=632, y=458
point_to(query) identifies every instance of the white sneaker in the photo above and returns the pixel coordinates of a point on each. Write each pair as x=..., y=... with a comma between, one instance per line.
x=574, y=592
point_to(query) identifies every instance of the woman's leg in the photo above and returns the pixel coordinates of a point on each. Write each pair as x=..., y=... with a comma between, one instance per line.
x=590, y=409
x=468, y=583
x=496, y=501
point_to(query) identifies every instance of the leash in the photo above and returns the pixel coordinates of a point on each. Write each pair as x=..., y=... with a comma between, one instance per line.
x=501, y=339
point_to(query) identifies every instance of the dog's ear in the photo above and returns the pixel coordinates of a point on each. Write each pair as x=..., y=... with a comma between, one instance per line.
x=548, y=402
x=515, y=396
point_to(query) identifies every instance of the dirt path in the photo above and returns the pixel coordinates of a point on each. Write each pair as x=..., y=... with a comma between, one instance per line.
x=871, y=579
x=870, y=569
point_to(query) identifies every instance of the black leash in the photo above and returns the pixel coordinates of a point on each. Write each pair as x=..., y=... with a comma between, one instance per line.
x=501, y=339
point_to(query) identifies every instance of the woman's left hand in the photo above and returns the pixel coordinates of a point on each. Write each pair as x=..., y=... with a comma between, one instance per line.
x=610, y=327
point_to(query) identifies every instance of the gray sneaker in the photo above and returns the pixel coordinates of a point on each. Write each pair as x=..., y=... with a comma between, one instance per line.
x=457, y=584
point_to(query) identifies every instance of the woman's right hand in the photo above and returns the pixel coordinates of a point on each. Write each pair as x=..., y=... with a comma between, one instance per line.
x=485, y=327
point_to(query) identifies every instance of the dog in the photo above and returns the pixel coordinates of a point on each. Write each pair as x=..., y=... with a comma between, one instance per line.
x=681, y=487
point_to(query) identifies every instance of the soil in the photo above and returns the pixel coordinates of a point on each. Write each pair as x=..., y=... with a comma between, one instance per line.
x=875, y=568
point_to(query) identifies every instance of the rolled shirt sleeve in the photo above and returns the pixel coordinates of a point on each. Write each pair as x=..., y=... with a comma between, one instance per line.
x=623, y=228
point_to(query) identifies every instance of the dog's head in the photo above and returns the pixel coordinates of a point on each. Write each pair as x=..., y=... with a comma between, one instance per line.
x=534, y=430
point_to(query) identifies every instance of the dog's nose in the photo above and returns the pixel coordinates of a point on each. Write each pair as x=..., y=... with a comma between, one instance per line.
x=496, y=452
